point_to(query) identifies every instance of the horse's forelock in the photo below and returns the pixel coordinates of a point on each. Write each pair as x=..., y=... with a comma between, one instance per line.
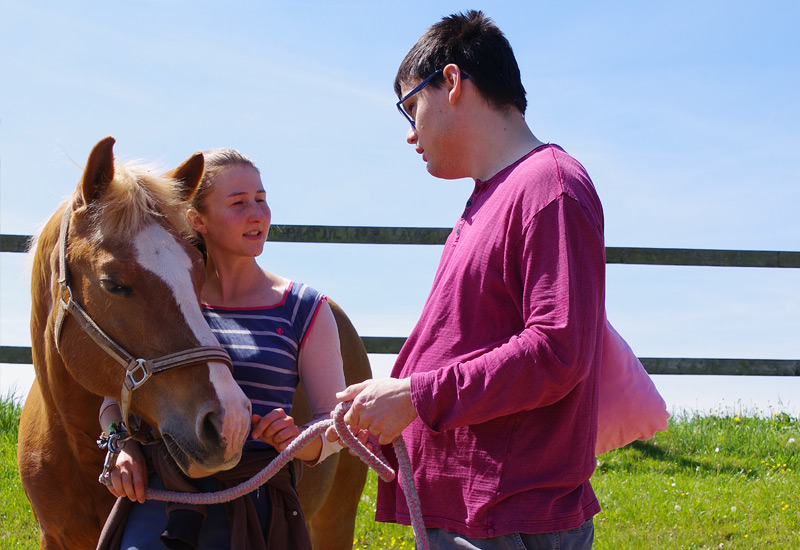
x=136, y=195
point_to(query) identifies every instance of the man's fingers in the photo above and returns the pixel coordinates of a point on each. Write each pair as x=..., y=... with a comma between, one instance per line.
x=350, y=392
x=352, y=416
x=383, y=407
x=331, y=435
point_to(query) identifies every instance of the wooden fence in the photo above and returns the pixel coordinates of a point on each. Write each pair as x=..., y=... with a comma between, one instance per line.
x=614, y=255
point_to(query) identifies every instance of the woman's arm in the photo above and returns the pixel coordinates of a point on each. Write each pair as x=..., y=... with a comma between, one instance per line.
x=321, y=370
x=129, y=476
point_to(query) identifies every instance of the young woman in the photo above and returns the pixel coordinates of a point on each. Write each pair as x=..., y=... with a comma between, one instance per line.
x=277, y=332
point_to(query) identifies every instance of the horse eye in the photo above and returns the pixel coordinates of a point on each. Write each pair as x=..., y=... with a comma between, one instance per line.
x=116, y=289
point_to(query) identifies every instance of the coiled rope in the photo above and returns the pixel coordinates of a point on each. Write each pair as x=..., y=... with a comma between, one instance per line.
x=376, y=461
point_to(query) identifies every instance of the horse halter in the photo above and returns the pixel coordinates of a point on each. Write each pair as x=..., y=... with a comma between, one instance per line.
x=137, y=371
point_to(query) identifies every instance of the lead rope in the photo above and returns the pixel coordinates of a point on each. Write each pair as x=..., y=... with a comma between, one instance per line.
x=376, y=461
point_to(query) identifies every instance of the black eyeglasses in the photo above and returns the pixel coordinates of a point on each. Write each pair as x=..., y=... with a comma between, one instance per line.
x=416, y=89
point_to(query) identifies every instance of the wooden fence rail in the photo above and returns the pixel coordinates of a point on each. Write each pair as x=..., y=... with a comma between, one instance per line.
x=437, y=236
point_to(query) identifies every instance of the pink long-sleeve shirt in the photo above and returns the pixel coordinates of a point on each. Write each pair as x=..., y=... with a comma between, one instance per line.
x=505, y=358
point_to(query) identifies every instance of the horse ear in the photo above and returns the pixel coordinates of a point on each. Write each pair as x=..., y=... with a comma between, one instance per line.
x=188, y=175
x=99, y=170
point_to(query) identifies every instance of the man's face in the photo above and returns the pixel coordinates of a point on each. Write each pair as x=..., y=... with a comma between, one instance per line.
x=407, y=103
x=432, y=130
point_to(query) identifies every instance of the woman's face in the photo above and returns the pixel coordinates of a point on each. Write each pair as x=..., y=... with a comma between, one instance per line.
x=236, y=217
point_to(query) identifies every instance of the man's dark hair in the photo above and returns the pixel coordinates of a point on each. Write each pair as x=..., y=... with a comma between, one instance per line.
x=472, y=41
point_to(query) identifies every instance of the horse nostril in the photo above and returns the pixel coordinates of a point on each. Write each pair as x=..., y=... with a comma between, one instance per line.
x=210, y=428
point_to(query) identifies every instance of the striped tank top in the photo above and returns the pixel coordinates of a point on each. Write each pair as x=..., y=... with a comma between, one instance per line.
x=264, y=344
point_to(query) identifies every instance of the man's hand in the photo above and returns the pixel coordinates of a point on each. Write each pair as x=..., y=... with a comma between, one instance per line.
x=363, y=436
x=382, y=406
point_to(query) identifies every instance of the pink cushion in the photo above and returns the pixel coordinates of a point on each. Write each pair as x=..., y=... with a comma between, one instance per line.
x=630, y=407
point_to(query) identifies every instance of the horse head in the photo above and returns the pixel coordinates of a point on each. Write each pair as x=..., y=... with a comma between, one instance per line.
x=127, y=264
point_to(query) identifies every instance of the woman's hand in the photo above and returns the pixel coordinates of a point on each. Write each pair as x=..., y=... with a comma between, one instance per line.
x=129, y=475
x=276, y=428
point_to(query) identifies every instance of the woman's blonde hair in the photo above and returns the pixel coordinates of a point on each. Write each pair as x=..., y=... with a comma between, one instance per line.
x=216, y=161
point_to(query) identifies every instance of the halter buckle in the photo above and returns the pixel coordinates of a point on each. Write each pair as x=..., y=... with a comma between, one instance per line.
x=136, y=368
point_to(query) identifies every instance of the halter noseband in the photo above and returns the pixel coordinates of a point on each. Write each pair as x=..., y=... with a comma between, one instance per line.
x=137, y=371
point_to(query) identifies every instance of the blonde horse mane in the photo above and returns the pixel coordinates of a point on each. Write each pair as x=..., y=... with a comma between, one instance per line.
x=134, y=196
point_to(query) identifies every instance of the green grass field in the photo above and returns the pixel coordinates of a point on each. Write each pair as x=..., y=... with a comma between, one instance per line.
x=707, y=482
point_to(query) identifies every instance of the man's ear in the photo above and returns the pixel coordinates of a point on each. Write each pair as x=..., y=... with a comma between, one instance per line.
x=453, y=81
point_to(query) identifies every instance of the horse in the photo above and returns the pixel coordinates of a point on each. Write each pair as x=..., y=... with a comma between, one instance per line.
x=116, y=279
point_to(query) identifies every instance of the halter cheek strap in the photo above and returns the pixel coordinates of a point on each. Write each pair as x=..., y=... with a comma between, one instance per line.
x=65, y=295
x=137, y=371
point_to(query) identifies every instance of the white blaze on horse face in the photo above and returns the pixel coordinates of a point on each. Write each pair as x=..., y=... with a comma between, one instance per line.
x=158, y=251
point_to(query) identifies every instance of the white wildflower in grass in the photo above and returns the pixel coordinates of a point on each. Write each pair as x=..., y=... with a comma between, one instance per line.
x=791, y=440
x=733, y=508
x=677, y=507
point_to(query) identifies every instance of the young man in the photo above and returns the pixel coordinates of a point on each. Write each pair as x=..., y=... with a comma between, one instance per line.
x=495, y=390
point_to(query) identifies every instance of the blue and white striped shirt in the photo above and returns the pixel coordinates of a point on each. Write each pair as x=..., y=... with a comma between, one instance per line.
x=264, y=345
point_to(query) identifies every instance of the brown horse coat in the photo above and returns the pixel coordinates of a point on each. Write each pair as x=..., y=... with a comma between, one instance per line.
x=59, y=461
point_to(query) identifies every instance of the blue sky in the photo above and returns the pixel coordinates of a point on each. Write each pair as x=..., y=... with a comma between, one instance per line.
x=684, y=113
